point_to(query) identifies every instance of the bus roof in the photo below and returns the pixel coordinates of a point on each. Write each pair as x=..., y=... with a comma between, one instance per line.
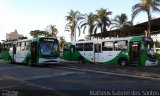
x=132, y=39
x=31, y=39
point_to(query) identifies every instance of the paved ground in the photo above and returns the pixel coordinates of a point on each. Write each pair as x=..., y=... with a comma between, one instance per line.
x=152, y=71
x=61, y=80
x=10, y=86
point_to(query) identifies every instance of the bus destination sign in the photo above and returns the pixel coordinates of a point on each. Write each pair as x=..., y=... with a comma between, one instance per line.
x=47, y=39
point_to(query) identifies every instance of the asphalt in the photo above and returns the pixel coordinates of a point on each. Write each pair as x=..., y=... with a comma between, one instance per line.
x=148, y=71
x=73, y=80
x=9, y=86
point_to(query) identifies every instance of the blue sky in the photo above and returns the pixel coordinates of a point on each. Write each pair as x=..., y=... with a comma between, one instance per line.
x=27, y=15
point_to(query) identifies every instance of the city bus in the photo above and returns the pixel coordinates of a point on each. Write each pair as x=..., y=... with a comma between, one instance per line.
x=34, y=51
x=136, y=50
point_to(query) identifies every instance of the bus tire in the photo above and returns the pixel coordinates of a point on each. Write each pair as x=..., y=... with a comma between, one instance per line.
x=81, y=60
x=123, y=62
x=29, y=63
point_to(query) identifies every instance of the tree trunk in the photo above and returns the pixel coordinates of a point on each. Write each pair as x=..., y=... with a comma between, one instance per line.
x=75, y=34
x=90, y=32
x=149, y=24
x=101, y=32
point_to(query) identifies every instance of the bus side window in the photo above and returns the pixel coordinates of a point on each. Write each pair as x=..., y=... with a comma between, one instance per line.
x=66, y=47
x=23, y=46
x=107, y=46
x=120, y=45
x=88, y=47
x=79, y=47
x=18, y=46
x=28, y=45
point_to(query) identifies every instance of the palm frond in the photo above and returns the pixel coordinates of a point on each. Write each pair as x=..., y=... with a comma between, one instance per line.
x=79, y=30
x=136, y=6
x=136, y=12
x=83, y=25
x=82, y=22
x=84, y=29
x=67, y=27
x=155, y=9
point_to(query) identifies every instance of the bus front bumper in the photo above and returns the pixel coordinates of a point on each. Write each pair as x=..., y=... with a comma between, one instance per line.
x=150, y=63
x=49, y=61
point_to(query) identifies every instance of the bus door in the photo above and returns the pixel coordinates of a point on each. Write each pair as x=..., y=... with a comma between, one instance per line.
x=17, y=56
x=135, y=53
x=72, y=51
x=34, y=52
x=97, y=50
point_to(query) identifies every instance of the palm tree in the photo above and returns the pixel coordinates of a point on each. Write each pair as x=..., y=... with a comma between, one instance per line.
x=88, y=20
x=103, y=20
x=121, y=23
x=52, y=30
x=146, y=6
x=71, y=26
x=61, y=43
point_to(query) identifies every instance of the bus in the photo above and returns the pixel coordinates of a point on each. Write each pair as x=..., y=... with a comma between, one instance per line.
x=34, y=51
x=136, y=50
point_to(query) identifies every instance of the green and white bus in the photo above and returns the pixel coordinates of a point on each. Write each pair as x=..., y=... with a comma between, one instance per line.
x=136, y=50
x=39, y=50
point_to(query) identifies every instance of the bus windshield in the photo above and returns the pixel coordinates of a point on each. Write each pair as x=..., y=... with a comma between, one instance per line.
x=148, y=43
x=48, y=48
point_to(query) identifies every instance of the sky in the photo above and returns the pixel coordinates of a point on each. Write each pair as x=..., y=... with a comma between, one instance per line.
x=28, y=15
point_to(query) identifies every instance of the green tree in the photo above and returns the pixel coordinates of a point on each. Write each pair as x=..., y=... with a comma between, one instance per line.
x=23, y=37
x=103, y=20
x=72, y=18
x=88, y=20
x=34, y=33
x=37, y=33
x=146, y=6
x=122, y=24
x=1, y=46
x=53, y=31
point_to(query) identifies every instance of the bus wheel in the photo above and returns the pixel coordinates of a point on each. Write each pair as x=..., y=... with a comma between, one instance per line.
x=123, y=62
x=81, y=60
x=29, y=63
